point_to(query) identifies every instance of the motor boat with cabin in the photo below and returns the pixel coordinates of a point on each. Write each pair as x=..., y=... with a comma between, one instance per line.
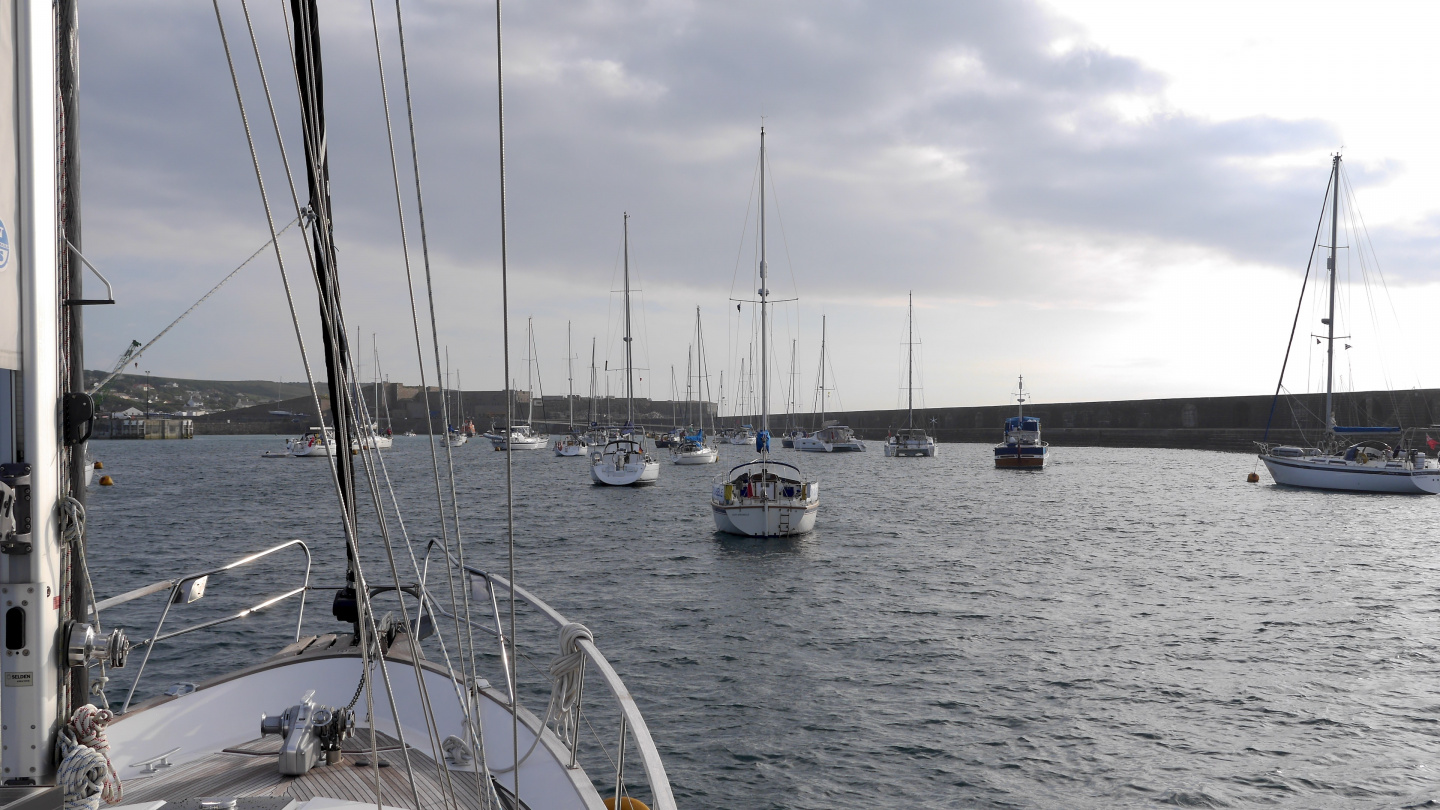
x=764, y=497
x=391, y=705
x=1022, y=447
x=1344, y=459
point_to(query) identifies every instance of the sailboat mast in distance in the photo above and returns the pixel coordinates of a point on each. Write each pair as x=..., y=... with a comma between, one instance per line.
x=1330, y=321
x=910, y=380
x=764, y=441
x=629, y=374
x=570, y=374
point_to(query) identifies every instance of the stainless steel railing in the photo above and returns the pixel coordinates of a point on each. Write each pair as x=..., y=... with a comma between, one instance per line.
x=178, y=587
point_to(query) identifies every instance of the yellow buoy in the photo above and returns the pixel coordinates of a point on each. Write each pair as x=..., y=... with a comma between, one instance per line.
x=99, y=465
x=106, y=481
x=626, y=803
x=1253, y=478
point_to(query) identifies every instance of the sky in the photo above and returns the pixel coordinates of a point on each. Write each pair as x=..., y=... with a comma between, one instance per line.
x=1116, y=199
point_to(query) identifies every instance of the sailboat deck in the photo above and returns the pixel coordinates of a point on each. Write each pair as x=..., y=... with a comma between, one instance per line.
x=251, y=769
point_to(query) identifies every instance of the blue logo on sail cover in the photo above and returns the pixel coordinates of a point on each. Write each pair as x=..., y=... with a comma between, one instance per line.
x=4, y=246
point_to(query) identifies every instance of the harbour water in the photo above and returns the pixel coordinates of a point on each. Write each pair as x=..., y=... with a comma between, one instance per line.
x=1126, y=628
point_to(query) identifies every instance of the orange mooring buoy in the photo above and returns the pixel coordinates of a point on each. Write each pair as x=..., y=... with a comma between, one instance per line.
x=99, y=465
x=107, y=481
x=1253, y=478
x=626, y=803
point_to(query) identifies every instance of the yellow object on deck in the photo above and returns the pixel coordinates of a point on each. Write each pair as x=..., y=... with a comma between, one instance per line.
x=626, y=803
x=729, y=492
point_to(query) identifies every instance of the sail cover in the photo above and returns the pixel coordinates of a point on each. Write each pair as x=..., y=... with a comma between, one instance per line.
x=9, y=160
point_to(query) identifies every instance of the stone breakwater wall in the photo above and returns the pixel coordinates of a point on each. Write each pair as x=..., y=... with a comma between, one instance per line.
x=1203, y=423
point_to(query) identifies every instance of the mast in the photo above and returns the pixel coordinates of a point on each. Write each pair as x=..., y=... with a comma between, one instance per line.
x=592, y=381
x=1020, y=397
x=822, y=373
x=764, y=300
x=530, y=380
x=310, y=81
x=910, y=380
x=570, y=372
x=790, y=396
x=674, y=395
x=1330, y=321
x=629, y=373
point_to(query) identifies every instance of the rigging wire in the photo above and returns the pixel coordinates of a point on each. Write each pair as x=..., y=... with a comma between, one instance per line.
x=136, y=356
x=509, y=407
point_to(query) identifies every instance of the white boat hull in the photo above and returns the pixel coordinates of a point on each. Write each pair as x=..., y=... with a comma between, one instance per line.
x=911, y=449
x=766, y=521
x=810, y=444
x=316, y=451
x=707, y=456
x=634, y=473
x=570, y=450
x=1294, y=472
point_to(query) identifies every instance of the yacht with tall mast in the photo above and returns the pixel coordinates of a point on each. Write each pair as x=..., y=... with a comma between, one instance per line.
x=382, y=712
x=764, y=497
x=1348, y=458
x=523, y=436
x=623, y=460
x=572, y=443
x=1022, y=447
x=831, y=436
x=695, y=448
x=910, y=440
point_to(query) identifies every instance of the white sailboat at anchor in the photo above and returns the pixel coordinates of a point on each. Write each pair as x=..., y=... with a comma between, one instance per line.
x=623, y=461
x=910, y=440
x=1343, y=459
x=764, y=497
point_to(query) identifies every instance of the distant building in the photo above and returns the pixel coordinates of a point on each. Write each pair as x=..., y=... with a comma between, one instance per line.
x=128, y=413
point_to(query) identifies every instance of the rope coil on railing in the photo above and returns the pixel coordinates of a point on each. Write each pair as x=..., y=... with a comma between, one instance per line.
x=86, y=774
x=566, y=672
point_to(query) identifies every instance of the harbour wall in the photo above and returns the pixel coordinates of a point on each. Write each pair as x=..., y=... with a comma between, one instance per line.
x=1208, y=423
x=1232, y=424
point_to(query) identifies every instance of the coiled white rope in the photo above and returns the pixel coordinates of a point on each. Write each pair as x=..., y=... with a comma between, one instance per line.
x=86, y=774
x=565, y=672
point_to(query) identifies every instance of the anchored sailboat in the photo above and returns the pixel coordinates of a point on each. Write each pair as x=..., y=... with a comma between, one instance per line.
x=1338, y=461
x=572, y=443
x=695, y=448
x=764, y=498
x=830, y=437
x=623, y=460
x=910, y=440
x=523, y=436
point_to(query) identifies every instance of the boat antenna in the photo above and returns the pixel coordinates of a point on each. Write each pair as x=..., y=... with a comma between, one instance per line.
x=1330, y=321
x=1020, y=396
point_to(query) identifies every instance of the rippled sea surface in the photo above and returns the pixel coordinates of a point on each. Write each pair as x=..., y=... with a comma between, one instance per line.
x=1126, y=628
